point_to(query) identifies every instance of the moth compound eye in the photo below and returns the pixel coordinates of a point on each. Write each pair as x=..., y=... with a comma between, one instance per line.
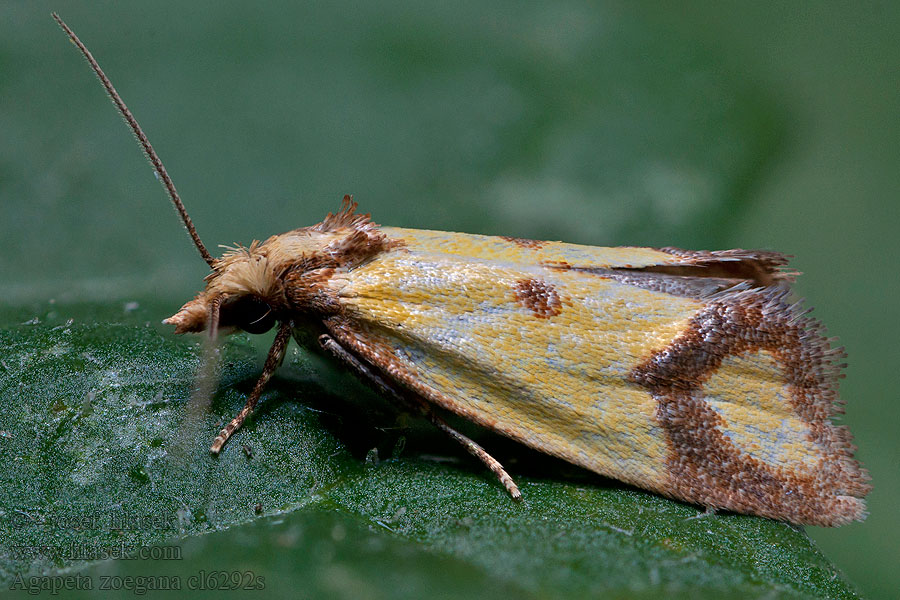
x=250, y=314
x=256, y=317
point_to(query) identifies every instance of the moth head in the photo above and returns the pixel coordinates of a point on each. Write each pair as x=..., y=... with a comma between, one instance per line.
x=240, y=289
x=244, y=291
x=252, y=287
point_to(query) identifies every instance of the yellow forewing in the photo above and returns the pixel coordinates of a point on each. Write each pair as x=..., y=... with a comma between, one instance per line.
x=557, y=383
x=719, y=395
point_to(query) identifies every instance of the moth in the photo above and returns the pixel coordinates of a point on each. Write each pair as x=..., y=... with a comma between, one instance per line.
x=687, y=373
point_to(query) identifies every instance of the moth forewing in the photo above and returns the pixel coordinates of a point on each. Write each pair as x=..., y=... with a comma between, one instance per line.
x=682, y=372
x=620, y=360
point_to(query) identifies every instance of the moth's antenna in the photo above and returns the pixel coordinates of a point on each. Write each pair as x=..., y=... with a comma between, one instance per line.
x=145, y=143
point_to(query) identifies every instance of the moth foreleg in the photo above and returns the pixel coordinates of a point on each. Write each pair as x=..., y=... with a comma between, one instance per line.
x=361, y=370
x=273, y=360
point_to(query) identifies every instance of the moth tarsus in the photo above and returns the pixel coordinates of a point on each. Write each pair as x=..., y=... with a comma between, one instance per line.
x=481, y=454
x=687, y=373
x=273, y=361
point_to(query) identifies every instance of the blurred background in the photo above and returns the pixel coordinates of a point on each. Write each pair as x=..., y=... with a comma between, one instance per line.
x=702, y=125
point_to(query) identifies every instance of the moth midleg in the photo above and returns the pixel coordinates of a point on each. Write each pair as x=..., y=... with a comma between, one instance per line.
x=361, y=370
x=273, y=360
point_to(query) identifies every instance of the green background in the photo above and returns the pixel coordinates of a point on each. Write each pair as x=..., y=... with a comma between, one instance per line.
x=707, y=125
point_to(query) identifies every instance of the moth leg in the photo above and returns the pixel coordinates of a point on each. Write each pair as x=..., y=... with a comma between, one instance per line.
x=480, y=453
x=709, y=512
x=362, y=371
x=330, y=345
x=273, y=360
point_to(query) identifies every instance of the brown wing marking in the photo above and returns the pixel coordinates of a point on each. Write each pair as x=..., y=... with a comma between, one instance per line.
x=705, y=467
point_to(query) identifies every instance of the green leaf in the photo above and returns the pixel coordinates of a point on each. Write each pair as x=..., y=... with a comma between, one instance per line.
x=99, y=454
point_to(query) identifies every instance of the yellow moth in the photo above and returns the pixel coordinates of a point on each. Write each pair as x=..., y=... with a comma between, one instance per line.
x=682, y=372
